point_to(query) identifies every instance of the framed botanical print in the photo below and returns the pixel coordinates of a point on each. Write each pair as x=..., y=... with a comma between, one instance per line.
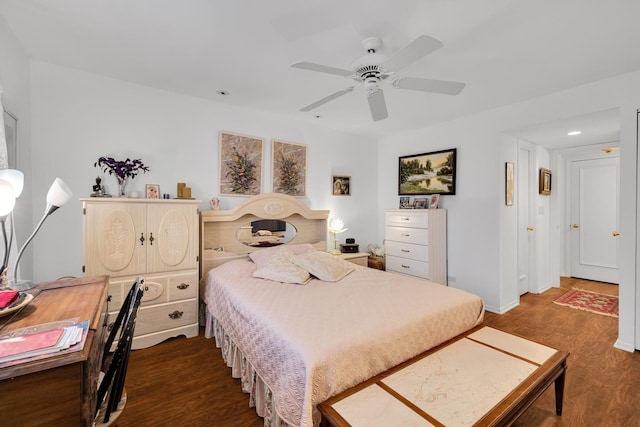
x=427, y=173
x=240, y=164
x=288, y=168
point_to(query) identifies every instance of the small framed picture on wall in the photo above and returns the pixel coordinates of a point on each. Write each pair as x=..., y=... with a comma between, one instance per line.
x=340, y=185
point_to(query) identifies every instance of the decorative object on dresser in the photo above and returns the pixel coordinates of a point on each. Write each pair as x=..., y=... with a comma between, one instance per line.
x=58, y=195
x=416, y=243
x=60, y=390
x=124, y=170
x=434, y=199
x=288, y=168
x=428, y=173
x=240, y=164
x=153, y=191
x=405, y=202
x=336, y=226
x=153, y=238
x=183, y=192
x=420, y=203
x=340, y=185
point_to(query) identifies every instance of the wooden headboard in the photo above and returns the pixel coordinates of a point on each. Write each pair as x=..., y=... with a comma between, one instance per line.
x=219, y=228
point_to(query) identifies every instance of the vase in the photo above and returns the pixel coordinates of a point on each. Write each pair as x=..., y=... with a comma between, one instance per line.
x=122, y=186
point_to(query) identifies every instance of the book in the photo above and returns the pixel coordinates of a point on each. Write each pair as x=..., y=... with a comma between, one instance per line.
x=52, y=342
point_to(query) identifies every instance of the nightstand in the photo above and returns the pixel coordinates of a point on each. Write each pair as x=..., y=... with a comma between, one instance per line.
x=360, y=258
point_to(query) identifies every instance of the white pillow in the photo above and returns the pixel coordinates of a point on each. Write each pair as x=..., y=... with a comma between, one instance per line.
x=324, y=266
x=279, y=268
x=261, y=256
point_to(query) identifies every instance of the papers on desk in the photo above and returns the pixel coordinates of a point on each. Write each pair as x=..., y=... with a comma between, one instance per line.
x=46, y=343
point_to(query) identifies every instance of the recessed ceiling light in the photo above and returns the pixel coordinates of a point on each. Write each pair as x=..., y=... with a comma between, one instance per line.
x=574, y=132
x=317, y=116
x=223, y=92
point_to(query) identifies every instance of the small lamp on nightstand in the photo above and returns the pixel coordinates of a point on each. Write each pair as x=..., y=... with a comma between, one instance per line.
x=336, y=226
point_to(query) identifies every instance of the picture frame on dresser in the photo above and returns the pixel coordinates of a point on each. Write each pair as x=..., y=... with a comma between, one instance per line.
x=405, y=202
x=428, y=173
x=240, y=164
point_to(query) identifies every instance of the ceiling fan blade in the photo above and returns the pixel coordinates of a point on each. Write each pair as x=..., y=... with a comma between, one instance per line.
x=322, y=68
x=429, y=85
x=419, y=48
x=326, y=99
x=377, y=105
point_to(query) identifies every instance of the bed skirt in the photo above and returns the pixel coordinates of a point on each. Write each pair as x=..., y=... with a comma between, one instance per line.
x=260, y=396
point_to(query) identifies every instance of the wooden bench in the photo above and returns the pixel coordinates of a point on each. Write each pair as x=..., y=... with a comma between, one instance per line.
x=485, y=377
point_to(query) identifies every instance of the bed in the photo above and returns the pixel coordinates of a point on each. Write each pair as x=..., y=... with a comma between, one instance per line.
x=298, y=341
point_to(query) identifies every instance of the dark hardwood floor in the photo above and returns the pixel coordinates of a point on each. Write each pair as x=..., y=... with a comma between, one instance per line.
x=184, y=382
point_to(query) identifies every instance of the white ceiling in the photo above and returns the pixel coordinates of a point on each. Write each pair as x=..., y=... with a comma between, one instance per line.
x=504, y=50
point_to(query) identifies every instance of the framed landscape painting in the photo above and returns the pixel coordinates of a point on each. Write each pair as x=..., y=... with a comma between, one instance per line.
x=289, y=168
x=240, y=164
x=428, y=173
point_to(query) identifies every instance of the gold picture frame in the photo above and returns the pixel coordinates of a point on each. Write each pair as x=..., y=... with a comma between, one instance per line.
x=544, y=182
x=240, y=164
x=288, y=168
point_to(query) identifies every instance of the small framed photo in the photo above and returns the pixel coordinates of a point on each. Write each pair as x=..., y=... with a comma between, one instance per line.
x=153, y=191
x=420, y=203
x=509, y=184
x=340, y=185
x=405, y=202
x=433, y=201
x=544, y=184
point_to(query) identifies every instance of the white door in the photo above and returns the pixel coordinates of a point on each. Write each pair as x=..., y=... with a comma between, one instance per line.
x=595, y=191
x=525, y=220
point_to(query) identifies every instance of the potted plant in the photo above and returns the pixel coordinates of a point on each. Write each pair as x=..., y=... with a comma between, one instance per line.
x=122, y=169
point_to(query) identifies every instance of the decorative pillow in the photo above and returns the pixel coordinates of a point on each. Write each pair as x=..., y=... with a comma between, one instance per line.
x=261, y=256
x=324, y=266
x=279, y=268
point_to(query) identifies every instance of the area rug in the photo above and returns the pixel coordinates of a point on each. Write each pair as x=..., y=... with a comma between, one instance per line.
x=589, y=301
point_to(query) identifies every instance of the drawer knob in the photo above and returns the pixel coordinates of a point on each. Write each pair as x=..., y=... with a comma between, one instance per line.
x=183, y=286
x=404, y=218
x=405, y=266
x=176, y=314
x=405, y=235
x=405, y=250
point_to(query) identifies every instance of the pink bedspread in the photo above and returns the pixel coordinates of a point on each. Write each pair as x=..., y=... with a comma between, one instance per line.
x=310, y=342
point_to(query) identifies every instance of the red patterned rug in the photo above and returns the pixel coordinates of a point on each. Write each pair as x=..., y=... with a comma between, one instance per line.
x=589, y=301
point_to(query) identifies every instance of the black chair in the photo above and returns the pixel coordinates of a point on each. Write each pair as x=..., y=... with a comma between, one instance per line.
x=111, y=387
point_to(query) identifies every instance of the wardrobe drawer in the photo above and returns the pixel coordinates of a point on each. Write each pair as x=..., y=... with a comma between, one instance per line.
x=407, y=250
x=408, y=266
x=407, y=218
x=419, y=236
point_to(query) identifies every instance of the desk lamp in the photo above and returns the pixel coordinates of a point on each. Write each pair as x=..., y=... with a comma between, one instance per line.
x=11, y=184
x=59, y=194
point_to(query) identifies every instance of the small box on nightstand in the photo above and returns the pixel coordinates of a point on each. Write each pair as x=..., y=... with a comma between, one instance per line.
x=349, y=248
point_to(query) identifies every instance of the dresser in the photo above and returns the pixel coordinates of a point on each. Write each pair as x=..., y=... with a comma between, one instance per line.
x=416, y=243
x=58, y=390
x=153, y=238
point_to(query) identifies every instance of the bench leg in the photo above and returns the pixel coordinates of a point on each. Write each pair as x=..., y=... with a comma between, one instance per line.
x=559, y=385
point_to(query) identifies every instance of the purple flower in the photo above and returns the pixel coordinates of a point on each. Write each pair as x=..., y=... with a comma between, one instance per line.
x=121, y=169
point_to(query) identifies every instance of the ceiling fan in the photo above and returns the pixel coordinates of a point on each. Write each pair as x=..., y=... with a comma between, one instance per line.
x=373, y=69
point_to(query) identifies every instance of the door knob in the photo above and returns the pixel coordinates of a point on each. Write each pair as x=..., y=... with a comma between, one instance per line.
x=576, y=226
x=529, y=228
x=615, y=234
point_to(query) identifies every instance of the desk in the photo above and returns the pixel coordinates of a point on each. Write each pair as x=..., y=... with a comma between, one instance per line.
x=59, y=390
x=482, y=378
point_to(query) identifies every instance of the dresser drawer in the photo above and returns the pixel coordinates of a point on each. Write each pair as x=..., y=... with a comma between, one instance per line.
x=418, y=236
x=408, y=266
x=407, y=218
x=166, y=316
x=183, y=286
x=407, y=250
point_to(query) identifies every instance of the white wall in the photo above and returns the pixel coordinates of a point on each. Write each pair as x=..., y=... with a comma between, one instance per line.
x=14, y=77
x=78, y=117
x=475, y=230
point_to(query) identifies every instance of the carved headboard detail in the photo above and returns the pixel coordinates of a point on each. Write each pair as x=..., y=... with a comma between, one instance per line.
x=219, y=228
